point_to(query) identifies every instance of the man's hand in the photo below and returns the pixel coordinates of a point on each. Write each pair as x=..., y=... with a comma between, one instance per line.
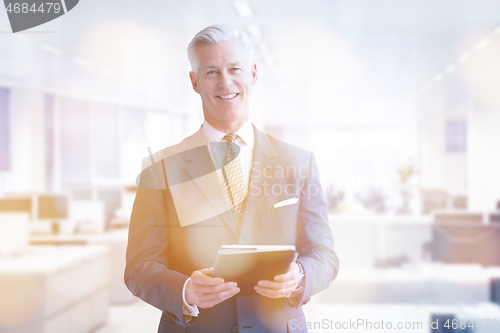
x=205, y=291
x=282, y=286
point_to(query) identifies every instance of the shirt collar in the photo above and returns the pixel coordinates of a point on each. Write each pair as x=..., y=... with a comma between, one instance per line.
x=245, y=133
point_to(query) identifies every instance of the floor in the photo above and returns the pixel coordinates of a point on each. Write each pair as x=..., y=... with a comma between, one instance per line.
x=131, y=318
x=139, y=316
x=326, y=317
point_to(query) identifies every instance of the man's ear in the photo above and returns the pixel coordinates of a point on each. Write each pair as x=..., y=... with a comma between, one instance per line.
x=194, y=82
x=254, y=74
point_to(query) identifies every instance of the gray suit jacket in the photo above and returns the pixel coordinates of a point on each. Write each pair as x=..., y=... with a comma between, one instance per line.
x=162, y=253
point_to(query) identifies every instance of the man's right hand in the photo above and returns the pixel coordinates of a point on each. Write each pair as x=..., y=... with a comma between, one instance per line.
x=205, y=291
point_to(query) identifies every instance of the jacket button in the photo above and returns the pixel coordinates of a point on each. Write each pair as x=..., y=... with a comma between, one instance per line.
x=236, y=329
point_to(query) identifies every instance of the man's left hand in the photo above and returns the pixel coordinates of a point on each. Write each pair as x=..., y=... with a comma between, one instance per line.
x=282, y=286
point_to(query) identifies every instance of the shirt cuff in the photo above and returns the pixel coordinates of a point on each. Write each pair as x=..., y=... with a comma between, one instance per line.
x=297, y=292
x=188, y=310
x=300, y=288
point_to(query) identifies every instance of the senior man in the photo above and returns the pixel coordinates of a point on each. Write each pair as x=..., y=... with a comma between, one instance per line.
x=192, y=199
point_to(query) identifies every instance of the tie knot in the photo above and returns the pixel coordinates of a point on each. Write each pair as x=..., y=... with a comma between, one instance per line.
x=230, y=138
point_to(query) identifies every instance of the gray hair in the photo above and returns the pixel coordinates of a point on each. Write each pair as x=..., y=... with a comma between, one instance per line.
x=215, y=34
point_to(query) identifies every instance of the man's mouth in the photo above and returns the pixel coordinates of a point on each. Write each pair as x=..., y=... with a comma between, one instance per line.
x=228, y=96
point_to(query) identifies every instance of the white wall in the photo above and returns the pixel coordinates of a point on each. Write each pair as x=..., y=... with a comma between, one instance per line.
x=484, y=160
x=432, y=157
x=27, y=140
x=441, y=170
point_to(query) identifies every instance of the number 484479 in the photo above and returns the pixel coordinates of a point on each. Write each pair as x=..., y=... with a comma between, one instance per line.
x=42, y=8
x=481, y=323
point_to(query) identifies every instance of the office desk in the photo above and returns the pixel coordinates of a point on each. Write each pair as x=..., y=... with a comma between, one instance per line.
x=54, y=289
x=436, y=284
x=116, y=240
x=361, y=240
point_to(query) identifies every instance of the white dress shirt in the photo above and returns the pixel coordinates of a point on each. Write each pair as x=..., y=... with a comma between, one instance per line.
x=245, y=141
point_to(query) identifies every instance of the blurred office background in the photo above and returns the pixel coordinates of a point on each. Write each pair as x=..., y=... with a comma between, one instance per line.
x=399, y=100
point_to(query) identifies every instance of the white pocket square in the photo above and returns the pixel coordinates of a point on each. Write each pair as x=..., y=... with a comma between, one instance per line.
x=286, y=202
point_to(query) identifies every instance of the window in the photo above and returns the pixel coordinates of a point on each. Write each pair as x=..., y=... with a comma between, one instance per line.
x=49, y=143
x=105, y=131
x=456, y=136
x=75, y=141
x=4, y=131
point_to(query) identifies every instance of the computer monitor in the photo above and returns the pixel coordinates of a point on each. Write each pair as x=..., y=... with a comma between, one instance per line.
x=17, y=205
x=51, y=214
x=495, y=218
x=111, y=196
x=466, y=244
x=88, y=216
x=48, y=213
x=112, y=199
x=81, y=193
x=52, y=207
x=458, y=217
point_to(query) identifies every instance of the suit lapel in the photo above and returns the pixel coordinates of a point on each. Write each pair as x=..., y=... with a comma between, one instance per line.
x=200, y=162
x=261, y=177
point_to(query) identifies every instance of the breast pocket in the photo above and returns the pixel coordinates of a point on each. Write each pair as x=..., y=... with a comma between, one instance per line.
x=285, y=210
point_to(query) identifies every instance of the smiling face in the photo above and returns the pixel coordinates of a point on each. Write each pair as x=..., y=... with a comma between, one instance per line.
x=224, y=80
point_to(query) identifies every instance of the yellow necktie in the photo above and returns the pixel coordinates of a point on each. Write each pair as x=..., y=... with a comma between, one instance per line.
x=233, y=181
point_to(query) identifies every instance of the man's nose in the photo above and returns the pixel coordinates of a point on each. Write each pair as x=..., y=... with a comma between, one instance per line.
x=225, y=80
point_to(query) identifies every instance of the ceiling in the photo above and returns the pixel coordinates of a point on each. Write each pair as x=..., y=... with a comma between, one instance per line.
x=136, y=49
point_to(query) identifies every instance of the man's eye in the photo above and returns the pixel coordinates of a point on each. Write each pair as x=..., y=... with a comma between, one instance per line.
x=236, y=69
x=211, y=72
